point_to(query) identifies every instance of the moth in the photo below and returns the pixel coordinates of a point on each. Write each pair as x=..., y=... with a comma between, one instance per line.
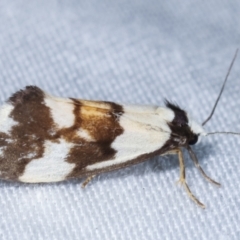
x=49, y=139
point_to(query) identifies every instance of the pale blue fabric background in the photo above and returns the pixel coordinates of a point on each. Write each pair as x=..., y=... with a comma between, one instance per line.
x=134, y=52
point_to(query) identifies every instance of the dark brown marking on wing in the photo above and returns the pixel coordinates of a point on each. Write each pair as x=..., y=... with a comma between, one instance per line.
x=102, y=124
x=25, y=140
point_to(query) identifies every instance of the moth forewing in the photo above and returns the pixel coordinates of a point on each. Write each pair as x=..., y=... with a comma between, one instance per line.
x=49, y=139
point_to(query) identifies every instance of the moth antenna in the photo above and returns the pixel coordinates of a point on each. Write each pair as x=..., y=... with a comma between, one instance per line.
x=221, y=91
x=233, y=133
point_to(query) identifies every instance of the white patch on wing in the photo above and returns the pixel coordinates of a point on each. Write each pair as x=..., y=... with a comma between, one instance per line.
x=52, y=167
x=144, y=132
x=61, y=111
x=85, y=135
x=6, y=122
x=149, y=115
x=140, y=109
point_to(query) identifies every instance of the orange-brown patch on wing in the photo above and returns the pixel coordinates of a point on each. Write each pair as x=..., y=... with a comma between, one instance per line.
x=102, y=124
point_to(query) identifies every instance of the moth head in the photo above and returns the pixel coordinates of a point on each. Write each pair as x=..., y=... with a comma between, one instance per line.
x=184, y=130
x=197, y=131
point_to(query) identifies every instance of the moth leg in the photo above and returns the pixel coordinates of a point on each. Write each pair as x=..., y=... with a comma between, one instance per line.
x=88, y=179
x=195, y=160
x=182, y=178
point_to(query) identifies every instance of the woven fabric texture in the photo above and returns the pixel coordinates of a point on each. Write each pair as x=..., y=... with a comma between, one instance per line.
x=129, y=52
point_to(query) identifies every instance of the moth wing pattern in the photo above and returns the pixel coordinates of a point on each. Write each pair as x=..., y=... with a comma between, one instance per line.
x=46, y=139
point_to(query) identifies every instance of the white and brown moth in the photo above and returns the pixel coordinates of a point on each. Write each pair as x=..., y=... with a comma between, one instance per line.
x=49, y=139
